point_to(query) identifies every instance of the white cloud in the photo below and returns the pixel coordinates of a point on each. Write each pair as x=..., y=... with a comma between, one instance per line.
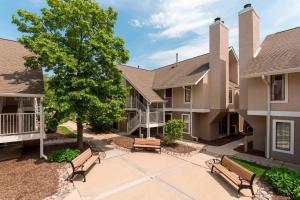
x=135, y=23
x=172, y=19
x=191, y=49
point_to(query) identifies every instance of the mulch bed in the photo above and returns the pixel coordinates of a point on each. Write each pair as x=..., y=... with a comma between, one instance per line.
x=28, y=177
x=222, y=141
x=250, y=151
x=123, y=141
x=179, y=148
x=127, y=142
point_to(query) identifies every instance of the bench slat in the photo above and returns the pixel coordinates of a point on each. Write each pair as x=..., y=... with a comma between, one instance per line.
x=236, y=168
x=81, y=159
x=89, y=163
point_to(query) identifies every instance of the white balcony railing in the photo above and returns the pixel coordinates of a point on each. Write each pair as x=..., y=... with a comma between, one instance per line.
x=18, y=123
x=156, y=117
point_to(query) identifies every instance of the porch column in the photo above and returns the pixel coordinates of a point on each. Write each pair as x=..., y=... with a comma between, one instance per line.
x=164, y=116
x=140, y=123
x=42, y=130
x=148, y=120
x=21, y=117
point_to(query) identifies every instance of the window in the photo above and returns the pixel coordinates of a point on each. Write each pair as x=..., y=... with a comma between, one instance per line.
x=187, y=94
x=168, y=117
x=168, y=93
x=279, y=88
x=186, y=120
x=283, y=136
x=230, y=96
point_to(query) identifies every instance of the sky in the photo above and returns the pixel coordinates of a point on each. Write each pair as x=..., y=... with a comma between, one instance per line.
x=155, y=30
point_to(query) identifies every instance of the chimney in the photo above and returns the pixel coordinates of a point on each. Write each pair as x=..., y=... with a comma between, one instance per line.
x=249, y=45
x=218, y=64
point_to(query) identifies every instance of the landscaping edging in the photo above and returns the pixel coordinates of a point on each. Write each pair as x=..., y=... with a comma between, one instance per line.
x=65, y=187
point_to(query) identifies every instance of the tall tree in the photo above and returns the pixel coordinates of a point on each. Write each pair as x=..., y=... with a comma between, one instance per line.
x=75, y=41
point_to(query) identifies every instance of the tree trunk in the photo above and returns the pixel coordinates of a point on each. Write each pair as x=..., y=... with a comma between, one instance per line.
x=79, y=134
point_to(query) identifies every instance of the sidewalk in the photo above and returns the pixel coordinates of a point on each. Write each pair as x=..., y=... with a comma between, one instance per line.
x=228, y=149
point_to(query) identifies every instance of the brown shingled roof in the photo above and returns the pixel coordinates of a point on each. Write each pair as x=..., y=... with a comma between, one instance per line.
x=187, y=72
x=184, y=73
x=14, y=76
x=142, y=80
x=279, y=54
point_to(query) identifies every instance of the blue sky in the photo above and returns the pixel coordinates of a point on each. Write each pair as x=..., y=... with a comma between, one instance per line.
x=155, y=30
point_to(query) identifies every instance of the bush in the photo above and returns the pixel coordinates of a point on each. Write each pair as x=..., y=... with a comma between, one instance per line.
x=284, y=181
x=173, y=131
x=64, y=155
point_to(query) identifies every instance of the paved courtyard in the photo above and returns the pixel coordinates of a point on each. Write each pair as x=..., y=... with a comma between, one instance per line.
x=143, y=175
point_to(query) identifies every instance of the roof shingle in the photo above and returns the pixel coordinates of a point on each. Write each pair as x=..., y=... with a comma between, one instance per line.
x=279, y=54
x=14, y=76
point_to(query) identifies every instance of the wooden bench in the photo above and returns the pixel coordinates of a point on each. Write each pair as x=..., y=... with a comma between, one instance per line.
x=238, y=175
x=83, y=162
x=142, y=143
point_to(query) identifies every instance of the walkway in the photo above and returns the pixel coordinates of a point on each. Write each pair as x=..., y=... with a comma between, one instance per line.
x=142, y=175
x=228, y=149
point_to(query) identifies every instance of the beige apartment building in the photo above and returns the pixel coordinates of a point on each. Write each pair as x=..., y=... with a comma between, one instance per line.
x=269, y=87
x=202, y=91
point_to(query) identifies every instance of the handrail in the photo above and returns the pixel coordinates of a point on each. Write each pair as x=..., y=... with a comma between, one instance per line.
x=18, y=123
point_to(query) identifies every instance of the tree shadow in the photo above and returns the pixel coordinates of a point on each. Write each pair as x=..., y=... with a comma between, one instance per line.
x=26, y=81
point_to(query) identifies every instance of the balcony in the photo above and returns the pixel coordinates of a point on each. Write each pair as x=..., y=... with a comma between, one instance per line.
x=19, y=127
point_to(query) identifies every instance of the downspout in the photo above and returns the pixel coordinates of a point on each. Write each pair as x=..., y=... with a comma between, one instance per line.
x=42, y=130
x=191, y=114
x=268, y=114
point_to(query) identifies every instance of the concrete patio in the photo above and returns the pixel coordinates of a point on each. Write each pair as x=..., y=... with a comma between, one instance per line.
x=143, y=175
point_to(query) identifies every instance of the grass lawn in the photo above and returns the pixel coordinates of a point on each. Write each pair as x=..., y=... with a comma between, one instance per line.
x=65, y=131
x=257, y=169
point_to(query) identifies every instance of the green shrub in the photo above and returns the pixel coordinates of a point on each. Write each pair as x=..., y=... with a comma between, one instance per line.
x=285, y=182
x=64, y=155
x=173, y=131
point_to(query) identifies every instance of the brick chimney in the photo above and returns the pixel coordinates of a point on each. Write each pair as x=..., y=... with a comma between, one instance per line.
x=249, y=45
x=218, y=64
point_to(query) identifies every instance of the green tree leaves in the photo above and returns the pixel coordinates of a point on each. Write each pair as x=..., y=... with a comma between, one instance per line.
x=74, y=39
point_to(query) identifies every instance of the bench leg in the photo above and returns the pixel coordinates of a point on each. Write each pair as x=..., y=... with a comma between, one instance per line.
x=239, y=191
x=252, y=191
x=72, y=177
x=84, y=179
x=99, y=160
x=212, y=169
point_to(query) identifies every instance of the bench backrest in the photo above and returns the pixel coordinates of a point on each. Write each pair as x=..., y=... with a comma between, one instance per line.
x=238, y=169
x=143, y=141
x=84, y=156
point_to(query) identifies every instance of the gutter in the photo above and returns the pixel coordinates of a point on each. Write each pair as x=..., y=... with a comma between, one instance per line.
x=191, y=115
x=266, y=81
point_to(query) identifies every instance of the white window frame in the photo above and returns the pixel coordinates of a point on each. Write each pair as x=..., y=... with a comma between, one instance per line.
x=233, y=94
x=286, y=90
x=184, y=95
x=189, y=128
x=291, y=122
